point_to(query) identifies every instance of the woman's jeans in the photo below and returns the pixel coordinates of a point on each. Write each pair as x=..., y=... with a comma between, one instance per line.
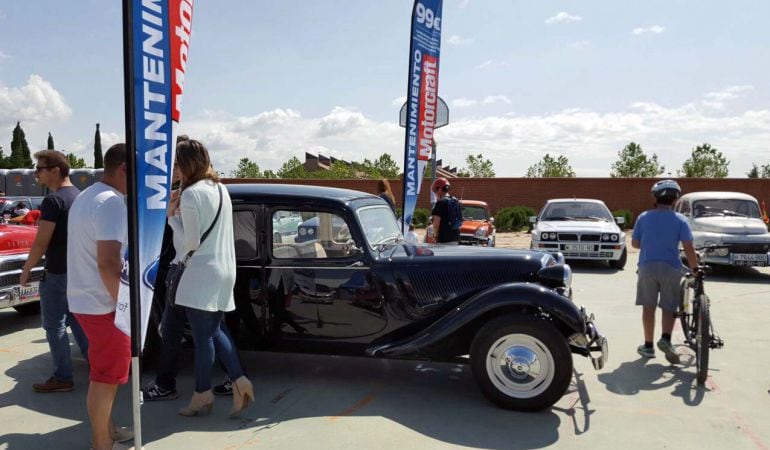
x=209, y=337
x=56, y=317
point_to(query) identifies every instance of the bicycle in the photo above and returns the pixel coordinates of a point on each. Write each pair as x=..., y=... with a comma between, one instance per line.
x=696, y=322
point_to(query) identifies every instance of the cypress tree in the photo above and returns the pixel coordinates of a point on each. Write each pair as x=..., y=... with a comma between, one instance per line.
x=50, y=141
x=20, y=157
x=98, y=157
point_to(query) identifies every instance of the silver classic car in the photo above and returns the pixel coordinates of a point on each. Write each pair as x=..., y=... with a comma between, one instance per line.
x=727, y=218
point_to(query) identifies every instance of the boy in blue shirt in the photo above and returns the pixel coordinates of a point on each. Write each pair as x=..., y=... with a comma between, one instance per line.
x=658, y=233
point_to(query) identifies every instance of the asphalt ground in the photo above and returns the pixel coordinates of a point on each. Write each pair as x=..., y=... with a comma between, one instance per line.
x=326, y=402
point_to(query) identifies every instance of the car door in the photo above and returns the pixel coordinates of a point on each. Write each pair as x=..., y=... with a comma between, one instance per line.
x=250, y=304
x=322, y=279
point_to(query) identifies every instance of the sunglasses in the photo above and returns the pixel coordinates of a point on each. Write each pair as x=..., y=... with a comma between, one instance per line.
x=39, y=168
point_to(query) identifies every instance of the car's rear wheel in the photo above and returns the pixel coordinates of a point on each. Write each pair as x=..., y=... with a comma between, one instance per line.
x=521, y=363
x=621, y=262
x=28, y=309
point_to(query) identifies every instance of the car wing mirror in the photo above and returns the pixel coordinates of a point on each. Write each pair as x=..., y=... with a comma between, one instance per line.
x=532, y=219
x=620, y=220
x=491, y=220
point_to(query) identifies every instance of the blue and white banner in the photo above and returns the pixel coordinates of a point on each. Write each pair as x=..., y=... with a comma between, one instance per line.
x=160, y=37
x=421, y=99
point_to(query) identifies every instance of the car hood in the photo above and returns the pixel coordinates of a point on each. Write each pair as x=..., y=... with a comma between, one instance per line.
x=470, y=226
x=578, y=226
x=527, y=260
x=729, y=225
x=15, y=239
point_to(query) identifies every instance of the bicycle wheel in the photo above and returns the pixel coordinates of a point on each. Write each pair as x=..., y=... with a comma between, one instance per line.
x=702, y=339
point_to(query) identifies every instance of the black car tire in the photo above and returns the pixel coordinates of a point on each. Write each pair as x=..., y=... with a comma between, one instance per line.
x=528, y=336
x=29, y=309
x=620, y=263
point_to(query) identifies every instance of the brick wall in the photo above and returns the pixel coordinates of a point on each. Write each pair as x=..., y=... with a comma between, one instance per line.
x=617, y=193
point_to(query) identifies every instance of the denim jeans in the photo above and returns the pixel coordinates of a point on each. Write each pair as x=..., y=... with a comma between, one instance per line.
x=171, y=329
x=56, y=317
x=210, y=336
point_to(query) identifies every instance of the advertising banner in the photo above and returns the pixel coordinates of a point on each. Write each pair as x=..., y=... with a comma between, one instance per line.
x=156, y=58
x=421, y=99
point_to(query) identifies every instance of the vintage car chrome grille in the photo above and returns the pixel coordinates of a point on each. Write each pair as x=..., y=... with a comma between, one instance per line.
x=568, y=237
x=430, y=287
x=590, y=238
x=12, y=279
x=12, y=264
x=749, y=248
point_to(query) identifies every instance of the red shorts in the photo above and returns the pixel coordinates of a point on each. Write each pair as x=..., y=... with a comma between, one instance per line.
x=109, y=349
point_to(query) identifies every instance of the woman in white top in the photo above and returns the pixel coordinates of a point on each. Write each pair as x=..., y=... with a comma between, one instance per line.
x=206, y=287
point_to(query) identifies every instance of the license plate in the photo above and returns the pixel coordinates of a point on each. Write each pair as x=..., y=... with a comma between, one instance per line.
x=579, y=247
x=26, y=294
x=749, y=258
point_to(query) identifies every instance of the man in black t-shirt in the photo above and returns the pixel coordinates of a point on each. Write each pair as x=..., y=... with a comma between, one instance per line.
x=442, y=227
x=53, y=172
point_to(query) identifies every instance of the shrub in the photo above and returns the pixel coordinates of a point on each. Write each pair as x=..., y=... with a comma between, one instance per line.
x=514, y=218
x=420, y=217
x=627, y=215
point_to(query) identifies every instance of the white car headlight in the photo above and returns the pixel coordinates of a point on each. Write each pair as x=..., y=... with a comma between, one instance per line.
x=481, y=232
x=605, y=237
x=311, y=231
x=614, y=238
x=552, y=236
x=544, y=237
x=302, y=231
x=722, y=251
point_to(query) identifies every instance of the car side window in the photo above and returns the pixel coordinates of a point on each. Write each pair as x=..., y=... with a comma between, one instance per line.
x=684, y=208
x=245, y=234
x=309, y=235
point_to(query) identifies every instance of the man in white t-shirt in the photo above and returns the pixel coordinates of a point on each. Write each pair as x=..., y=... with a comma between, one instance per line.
x=96, y=236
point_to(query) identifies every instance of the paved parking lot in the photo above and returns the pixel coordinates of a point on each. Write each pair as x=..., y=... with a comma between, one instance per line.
x=334, y=402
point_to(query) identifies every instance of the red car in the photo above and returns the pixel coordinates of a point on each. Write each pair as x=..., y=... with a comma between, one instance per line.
x=15, y=242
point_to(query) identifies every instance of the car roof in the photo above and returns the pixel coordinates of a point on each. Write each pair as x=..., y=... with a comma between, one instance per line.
x=473, y=202
x=320, y=193
x=574, y=200
x=717, y=195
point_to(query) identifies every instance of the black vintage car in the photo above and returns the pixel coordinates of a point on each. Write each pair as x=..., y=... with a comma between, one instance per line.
x=356, y=288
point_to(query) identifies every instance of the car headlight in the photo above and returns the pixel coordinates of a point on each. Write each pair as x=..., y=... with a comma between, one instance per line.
x=722, y=251
x=544, y=236
x=481, y=232
x=559, y=275
x=310, y=231
x=605, y=237
x=552, y=236
x=302, y=231
x=614, y=237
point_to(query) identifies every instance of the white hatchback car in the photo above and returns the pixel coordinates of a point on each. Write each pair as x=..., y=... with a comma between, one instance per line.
x=727, y=218
x=580, y=228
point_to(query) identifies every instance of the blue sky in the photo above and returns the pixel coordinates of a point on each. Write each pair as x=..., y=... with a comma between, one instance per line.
x=269, y=80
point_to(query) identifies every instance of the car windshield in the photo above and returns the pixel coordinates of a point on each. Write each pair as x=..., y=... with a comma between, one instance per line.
x=726, y=207
x=379, y=225
x=474, y=212
x=576, y=211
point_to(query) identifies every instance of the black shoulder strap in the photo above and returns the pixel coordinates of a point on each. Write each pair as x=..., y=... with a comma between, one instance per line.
x=214, y=222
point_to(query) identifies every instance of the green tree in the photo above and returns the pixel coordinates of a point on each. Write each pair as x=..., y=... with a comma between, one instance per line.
x=762, y=171
x=633, y=162
x=478, y=167
x=75, y=162
x=20, y=157
x=386, y=166
x=705, y=162
x=98, y=156
x=246, y=169
x=50, y=142
x=292, y=168
x=550, y=167
x=269, y=174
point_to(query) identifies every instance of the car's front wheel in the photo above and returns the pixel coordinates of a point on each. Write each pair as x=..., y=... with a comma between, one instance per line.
x=521, y=363
x=621, y=262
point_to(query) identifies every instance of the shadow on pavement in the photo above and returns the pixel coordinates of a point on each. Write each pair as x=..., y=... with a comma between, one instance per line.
x=731, y=274
x=11, y=321
x=440, y=401
x=643, y=374
x=597, y=267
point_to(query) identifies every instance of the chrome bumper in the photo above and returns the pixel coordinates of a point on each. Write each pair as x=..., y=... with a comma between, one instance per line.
x=591, y=343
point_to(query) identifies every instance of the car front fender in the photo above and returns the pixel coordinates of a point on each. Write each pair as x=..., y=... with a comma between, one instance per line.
x=529, y=296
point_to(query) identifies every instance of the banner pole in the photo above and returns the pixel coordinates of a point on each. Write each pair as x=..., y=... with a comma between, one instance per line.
x=133, y=255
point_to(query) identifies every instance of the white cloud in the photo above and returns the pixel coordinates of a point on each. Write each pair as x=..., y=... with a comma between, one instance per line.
x=398, y=101
x=458, y=41
x=492, y=99
x=563, y=17
x=85, y=150
x=588, y=138
x=655, y=29
x=580, y=44
x=463, y=102
x=36, y=101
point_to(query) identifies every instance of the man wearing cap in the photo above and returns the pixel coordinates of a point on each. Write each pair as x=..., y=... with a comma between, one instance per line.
x=441, y=214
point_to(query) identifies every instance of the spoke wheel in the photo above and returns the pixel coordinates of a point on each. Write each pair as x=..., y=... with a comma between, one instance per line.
x=702, y=339
x=521, y=362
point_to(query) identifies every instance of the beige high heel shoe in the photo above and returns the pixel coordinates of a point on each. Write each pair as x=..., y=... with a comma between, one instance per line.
x=243, y=394
x=201, y=402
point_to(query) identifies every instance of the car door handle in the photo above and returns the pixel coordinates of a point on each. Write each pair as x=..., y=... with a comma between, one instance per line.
x=357, y=264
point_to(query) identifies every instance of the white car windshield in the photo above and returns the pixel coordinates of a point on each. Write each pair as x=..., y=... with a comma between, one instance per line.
x=379, y=225
x=576, y=211
x=725, y=207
